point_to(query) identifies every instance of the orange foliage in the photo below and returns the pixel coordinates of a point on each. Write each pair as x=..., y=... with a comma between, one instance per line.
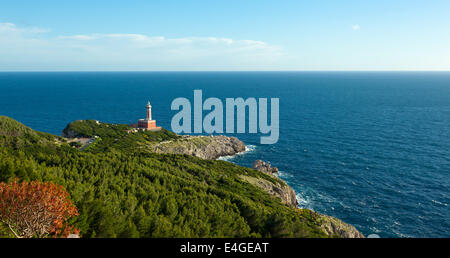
x=36, y=209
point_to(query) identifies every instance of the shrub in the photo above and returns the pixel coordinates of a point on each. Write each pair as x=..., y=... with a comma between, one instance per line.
x=36, y=209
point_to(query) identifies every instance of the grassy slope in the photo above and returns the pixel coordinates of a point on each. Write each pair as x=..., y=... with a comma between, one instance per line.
x=123, y=191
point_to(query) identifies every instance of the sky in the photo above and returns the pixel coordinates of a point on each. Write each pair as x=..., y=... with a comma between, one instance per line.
x=231, y=35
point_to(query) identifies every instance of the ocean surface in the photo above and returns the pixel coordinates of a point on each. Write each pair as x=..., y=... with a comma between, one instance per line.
x=371, y=148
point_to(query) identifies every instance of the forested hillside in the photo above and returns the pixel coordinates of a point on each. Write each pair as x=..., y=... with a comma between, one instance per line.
x=121, y=190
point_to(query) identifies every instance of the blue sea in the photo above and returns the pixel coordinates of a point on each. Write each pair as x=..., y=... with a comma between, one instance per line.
x=371, y=148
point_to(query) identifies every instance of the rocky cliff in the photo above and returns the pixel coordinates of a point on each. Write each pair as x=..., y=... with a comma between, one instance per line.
x=213, y=147
x=205, y=147
x=331, y=226
x=280, y=189
x=336, y=227
x=265, y=167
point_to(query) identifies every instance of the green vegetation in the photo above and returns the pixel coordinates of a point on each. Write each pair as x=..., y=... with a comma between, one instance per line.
x=15, y=135
x=123, y=190
x=75, y=144
x=5, y=232
x=116, y=137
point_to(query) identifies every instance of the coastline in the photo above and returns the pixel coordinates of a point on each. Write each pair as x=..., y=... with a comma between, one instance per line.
x=192, y=162
x=331, y=225
x=224, y=148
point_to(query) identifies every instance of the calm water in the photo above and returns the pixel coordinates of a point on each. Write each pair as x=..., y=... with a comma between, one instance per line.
x=370, y=148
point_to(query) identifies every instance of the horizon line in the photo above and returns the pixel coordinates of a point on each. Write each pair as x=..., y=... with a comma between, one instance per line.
x=194, y=71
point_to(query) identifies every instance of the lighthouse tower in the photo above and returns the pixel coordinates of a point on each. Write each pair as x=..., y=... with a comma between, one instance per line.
x=147, y=123
x=149, y=111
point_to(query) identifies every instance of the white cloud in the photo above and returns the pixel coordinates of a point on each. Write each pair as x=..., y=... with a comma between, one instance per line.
x=7, y=27
x=77, y=37
x=356, y=27
x=145, y=40
x=32, y=47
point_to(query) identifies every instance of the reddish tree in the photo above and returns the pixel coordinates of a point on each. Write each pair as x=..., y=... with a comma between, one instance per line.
x=36, y=209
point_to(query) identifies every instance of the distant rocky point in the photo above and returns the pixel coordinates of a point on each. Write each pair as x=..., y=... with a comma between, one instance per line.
x=205, y=147
x=330, y=225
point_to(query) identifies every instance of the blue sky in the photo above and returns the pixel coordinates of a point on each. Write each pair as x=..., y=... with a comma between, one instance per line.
x=224, y=35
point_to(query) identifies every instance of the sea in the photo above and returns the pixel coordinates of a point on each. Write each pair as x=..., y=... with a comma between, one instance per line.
x=370, y=148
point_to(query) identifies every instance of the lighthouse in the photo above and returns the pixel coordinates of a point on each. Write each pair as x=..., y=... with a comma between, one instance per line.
x=149, y=111
x=147, y=123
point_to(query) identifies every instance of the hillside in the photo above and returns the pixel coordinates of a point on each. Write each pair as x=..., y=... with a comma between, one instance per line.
x=123, y=189
x=15, y=135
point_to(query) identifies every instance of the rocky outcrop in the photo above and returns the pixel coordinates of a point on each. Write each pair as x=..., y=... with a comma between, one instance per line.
x=279, y=189
x=205, y=147
x=336, y=227
x=264, y=167
x=333, y=227
x=213, y=147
